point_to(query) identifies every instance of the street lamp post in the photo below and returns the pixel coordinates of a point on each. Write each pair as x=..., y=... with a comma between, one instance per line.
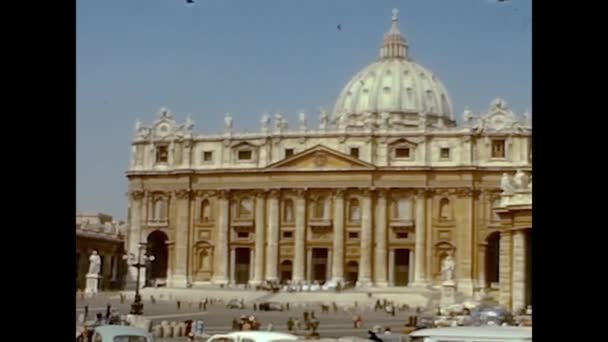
x=137, y=308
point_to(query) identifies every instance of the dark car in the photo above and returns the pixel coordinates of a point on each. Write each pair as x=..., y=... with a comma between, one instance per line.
x=270, y=306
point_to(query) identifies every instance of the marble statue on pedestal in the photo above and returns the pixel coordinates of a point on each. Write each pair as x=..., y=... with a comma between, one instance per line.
x=94, y=263
x=303, y=122
x=228, y=122
x=447, y=268
x=520, y=180
x=93, y=275
x=506, y=184
x=323, y=119
x=265, y=122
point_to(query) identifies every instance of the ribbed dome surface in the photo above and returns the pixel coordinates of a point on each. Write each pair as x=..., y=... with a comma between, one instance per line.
x=395, y=84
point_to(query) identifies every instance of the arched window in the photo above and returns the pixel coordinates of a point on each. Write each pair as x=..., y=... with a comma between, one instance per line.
x=205, y=211
x=160, y=209
x=245, y=208
x=444, y=209
x=319, y=208
x=354, y=211
x=288, y=211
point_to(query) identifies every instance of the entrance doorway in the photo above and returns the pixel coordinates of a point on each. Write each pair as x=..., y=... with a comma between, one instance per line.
x=492, y=260
x=157, y=246
x=352, y=272
x=319, y=264
x=241, y=264
x=402, y=267
x=286, y=271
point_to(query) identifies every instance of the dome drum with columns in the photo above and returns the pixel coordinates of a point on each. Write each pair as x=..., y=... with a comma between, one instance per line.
x=376, y=193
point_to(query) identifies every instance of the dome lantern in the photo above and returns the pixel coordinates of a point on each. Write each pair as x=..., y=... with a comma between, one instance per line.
x=394, y=45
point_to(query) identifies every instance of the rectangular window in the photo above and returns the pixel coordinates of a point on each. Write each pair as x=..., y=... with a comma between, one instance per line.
x=288, y=152
x=353, y=235
x=244, y=155
x=498, y=148
x=354, y=152
x=401, y=235
x=402, y=152
x=242, y=235
x=445, y=153
x=287, y=235
x=162, y=154
x=207, y=156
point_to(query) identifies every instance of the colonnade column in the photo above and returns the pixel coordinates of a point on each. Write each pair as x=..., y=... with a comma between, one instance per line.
x=272, y=250
x=338, y=243
x=410, y=267
x=220, y=252
x=300, y=237
x=258, y=273
x=504, y=277
x=420, y=278
x=233, y=265
x=134, y=231
x=519, y=270
x=481, y=266
x=365, y=253
x=380, y=241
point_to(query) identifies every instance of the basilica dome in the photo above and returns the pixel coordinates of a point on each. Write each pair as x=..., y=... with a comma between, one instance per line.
x=394, y=84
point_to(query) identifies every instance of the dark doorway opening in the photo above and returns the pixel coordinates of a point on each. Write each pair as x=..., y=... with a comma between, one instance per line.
x=157, y=246
x=242, y=263
x=319, y=264
x=352, y=272
x=402, y=267
x=492, y=259
x=286, y=271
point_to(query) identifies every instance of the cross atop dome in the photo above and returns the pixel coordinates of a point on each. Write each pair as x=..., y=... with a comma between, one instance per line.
x=395, y=14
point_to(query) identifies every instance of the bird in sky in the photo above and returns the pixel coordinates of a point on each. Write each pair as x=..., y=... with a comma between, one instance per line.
x=339, y=27
x=189, y=1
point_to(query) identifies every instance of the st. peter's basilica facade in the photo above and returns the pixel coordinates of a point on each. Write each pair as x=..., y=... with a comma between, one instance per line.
x=376, y=193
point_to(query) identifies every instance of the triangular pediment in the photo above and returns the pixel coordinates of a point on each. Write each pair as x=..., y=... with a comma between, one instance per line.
x=320, y=158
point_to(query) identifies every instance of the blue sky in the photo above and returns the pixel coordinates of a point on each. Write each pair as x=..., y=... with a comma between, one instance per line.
x=250, y=56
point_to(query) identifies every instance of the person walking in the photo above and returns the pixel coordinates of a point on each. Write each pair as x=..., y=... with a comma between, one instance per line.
x=179, y=305
x=290, y=324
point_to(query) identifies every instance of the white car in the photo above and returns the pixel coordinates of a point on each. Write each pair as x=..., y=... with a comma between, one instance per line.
x=119, y=333
x=473, y=334
x=252, y=336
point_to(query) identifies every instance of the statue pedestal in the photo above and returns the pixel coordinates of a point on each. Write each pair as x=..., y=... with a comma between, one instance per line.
x=92, y=284
x=448, y=293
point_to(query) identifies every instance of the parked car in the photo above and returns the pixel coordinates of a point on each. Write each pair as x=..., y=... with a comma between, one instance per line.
x=473, y=334
x=235, y=304
x=270, y=306
x=252, y=336
x=115, y=333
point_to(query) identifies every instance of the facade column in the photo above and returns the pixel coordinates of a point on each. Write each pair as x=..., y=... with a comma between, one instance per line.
x=338, y=242
x=481, y=264
x=181, y=198
x=466, y=243
x=232, y=266
x=365, y=253
x=329, y=262
x=251, y=263
x=505, y=259
x=260, y=204
x=420, y=277
x=170, y=259
x=308, y=265
x=380, y=238
x=391, y=267
x=410, y=270
x=300, y=237
x=220, y=252
x=134, y=236
x=519, y=270
x=272, y=251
